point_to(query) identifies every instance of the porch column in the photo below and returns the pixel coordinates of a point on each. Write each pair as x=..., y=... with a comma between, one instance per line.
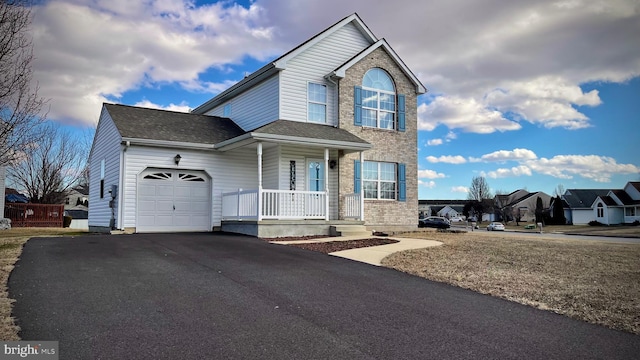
x=361, y=185
x=259, y=181
x=326, y=184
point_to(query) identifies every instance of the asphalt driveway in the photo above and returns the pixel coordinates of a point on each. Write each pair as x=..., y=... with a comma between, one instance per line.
x=198, y=296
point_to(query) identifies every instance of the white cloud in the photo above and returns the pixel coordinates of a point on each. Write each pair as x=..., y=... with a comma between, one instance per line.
x=430, y=174
x=465, y=114
x=182, y=107
x=514, y=171
x=88, y=52
x=449, y=159
x=434, y=142
x=593, y=167
x=460, y=189
x=509, y=155
x=428, y=184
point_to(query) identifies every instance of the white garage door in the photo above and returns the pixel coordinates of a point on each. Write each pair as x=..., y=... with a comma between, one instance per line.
x=173, y=200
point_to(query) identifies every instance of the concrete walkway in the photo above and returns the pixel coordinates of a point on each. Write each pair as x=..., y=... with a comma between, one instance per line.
x=373, y=254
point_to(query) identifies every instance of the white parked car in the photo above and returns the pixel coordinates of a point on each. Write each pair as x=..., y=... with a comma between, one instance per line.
x=495, y=226
x=456, y=219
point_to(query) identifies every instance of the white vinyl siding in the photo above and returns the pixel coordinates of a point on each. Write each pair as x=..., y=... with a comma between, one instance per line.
x=106, y=147
x=255, y=107
x=311, y=66
x=229, y=171
x=270, y=165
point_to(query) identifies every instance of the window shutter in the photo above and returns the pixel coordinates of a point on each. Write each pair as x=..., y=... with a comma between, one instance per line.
x=402, y=183
x=357, y=106
x=356, y=176
x=401, y=112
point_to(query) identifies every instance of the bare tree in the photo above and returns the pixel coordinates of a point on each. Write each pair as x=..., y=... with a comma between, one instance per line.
x=479, y=189
x=49, y=168
x=559, y=191
x=21, y=107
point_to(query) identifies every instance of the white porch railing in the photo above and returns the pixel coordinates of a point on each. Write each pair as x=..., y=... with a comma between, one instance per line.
x=276, y=204
x=352, y=206
x=240, y=205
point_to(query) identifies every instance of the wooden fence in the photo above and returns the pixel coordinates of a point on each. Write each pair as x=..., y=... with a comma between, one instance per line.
x=34, y=215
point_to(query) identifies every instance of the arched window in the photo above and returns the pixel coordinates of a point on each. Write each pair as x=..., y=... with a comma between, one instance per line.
x=378, y=100
x=376, y=103
x=600, y=210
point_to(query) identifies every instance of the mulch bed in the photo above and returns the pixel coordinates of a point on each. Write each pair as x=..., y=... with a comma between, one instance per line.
x=332, y=246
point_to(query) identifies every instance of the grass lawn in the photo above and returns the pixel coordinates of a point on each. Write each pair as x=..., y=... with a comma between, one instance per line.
x=593, y=281
x=11, y=242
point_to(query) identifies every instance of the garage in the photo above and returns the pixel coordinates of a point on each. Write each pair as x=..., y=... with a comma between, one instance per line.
x=173, y=200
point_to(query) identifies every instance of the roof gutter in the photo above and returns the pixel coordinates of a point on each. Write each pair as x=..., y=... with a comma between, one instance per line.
x=253, y=137
x=164, y=143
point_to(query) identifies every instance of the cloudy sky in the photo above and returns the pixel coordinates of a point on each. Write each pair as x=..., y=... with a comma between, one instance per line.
x=529, y=94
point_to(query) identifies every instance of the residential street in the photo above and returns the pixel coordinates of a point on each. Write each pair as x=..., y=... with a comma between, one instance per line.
x=205, y=295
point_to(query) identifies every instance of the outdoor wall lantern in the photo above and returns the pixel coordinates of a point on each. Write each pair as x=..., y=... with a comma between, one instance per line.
x=332, y=164
x=177, y=159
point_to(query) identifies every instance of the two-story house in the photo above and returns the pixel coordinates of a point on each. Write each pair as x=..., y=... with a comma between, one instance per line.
x=326, y=134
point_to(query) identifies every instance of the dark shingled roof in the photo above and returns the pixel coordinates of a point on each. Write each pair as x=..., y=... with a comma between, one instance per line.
x=308, y=130
x=143, y=123
x=624, y=197
x=583, y=198
x=608, y=200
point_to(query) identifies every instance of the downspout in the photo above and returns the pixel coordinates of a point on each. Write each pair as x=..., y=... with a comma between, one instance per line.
x=123, y=166
x=361, y=185
x=335, y=100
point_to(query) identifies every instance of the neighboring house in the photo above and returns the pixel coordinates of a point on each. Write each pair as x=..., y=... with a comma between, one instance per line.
x=78, y=196
x=579, y=204
x=618, y=206
x=437, y=207
x=451, y=211
x=324, y=135
x=520, y=205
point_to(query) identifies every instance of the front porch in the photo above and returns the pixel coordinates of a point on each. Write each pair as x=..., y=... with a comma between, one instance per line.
x=297, y=188
x=276, y=213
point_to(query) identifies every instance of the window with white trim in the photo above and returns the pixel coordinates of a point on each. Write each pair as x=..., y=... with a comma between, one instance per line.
x=600, y=211
x=317, y=102
x=378, y=100
x=379, y=180
x=226, y=110
x=630, y=211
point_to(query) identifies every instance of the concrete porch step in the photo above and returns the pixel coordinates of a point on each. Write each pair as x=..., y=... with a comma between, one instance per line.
x=349, y=230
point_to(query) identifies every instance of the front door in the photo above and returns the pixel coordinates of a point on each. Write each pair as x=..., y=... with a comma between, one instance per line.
x=314, y=204
x=315, y=175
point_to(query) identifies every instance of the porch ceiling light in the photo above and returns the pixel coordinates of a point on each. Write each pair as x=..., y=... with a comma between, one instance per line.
x=177, y=159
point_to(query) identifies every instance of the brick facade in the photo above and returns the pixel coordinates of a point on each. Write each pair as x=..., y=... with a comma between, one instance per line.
x=388, y=145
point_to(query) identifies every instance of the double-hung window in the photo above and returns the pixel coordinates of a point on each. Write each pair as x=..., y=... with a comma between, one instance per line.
x=379, y=180
x=317, y=102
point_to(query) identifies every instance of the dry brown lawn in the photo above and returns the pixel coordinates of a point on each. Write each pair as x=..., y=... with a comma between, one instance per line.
x=11, y=242
x=593, y=281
